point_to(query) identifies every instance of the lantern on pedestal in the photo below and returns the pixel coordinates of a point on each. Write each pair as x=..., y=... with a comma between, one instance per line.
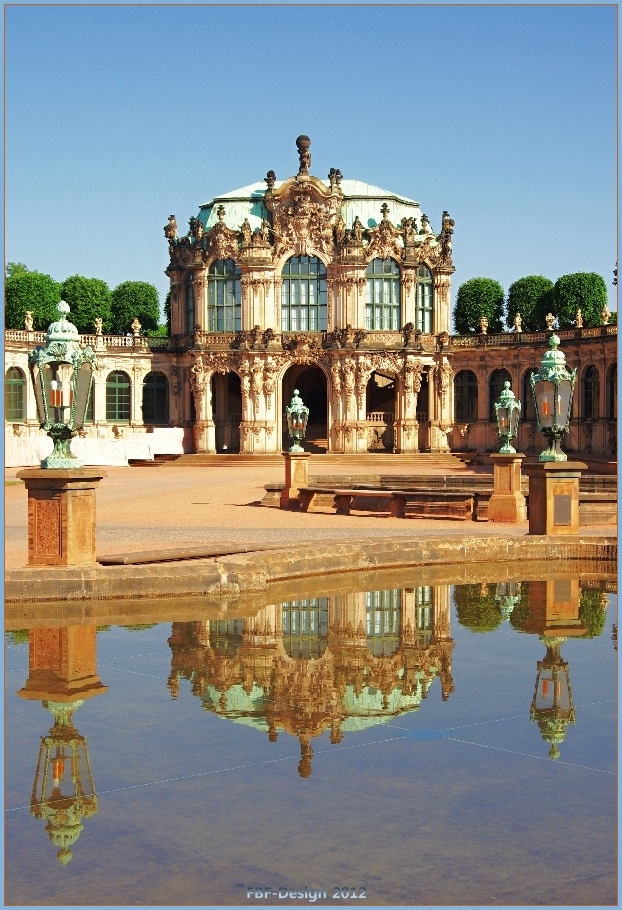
x=507, y=596
x=63, y=792
x=552, y=706
x=507, y=411
x=297, y=417
x=62, y=376
x=553, y=388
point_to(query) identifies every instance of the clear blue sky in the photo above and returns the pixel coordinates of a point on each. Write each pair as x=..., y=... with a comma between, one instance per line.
x=117, y=117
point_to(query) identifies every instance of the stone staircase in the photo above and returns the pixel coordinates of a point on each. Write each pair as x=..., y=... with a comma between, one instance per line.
x=370, y=461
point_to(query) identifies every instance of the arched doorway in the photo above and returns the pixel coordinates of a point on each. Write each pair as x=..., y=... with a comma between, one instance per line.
x=311, y=383
x=380, y=411
x=227, y=411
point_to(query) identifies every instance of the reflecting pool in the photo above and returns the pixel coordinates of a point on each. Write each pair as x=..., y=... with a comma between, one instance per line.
x=377, y=740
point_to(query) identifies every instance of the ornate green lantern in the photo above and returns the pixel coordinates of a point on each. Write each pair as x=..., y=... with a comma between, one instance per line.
x=552, y=706
x=507, y=596
x=297, y=417
x=62, y=376
x=507, y=411
x=553, y=388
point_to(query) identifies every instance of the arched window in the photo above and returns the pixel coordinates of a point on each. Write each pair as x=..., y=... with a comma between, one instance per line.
x=190, y=302
x=424, y=316
x=155, y=398
x=382, y=303
x=495, y=387
x=14, y=395
x=591, y=390
x=612, y=392
x=303, y=295
x=383, y=615
x=224, y=297
x=465, y=396
x=528, y=404
x=118, y=397
x=305, y=627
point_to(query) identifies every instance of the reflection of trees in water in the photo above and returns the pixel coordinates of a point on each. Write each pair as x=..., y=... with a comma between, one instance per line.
x=476, y=607
x=593, y=612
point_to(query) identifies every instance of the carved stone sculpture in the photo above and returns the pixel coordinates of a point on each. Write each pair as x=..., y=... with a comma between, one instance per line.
x=579, y=319
x=98, y=323
x=302, y=144
x=483, y=325
x=549, y=319
x=170, y=229
x=28, y=321
x=245, y=231
x=605, y=315
x=518, y=323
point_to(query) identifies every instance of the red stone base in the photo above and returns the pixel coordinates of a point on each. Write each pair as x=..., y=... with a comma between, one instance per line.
x=554, y=496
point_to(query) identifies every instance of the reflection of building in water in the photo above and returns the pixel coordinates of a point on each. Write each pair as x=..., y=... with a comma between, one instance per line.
x=339, y=663
x=62, y=666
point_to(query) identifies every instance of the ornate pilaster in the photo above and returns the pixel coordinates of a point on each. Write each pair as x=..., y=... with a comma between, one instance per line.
x=442, y=285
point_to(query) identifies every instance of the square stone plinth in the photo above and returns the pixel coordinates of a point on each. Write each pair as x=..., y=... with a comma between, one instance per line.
x=554, y=496
x=61, y=515
x=296, y=476
x=507, y=502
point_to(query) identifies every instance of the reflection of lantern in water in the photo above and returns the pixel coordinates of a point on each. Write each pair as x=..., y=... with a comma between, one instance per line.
x=63, y=792
x=552, y=706
x=507, y=597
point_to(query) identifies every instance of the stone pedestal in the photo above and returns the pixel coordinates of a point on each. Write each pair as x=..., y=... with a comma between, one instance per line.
x=61, y=515
x=554, y=496
x=507, y=502
x=296, y=476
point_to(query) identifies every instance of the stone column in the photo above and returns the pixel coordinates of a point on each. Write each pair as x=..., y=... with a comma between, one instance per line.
x=507, y=502
x=61, y=515
x=554, y=496
x=442, y=285
x=296, y=476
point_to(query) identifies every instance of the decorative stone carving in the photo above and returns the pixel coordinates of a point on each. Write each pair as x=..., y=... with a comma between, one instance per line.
x=198, y=383
x=443, y=340
x=176, y=381
x=413, y=375
x=364, y=369
x=269, y=380
x=579, y=319
x=222, y=242
x=303, y=144
x=445, y=239
x=518, y=323
x=384, y=239
x=28, y=321
x=550, y=321
x=335, y=372
x=136, y=326
x=245, y=231
x=170, y=229
x=270, y=179
x=98, y=323
x=443, y=374
x=256, y=382
x=483, y=325
x=605, y=315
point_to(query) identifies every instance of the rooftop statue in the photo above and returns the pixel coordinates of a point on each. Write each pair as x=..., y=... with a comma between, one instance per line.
x=302, y=144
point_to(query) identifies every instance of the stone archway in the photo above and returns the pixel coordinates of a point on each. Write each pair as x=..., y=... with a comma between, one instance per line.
x=227, y=411
x=380, y=411
x=311, y=383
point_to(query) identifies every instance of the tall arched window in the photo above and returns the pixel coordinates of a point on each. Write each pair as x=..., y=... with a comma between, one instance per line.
x=383, y=618
x=155, y=398
x=118, y=397
x=382, y=303
x=424, y=315
x=612, y=392
x=591, y=391
x=14, y=395
x=305, y=627
x=190, y=302
x=527, y=402
x=224, y=306
x=303, y=295
x=495, y=387
x=465, y=396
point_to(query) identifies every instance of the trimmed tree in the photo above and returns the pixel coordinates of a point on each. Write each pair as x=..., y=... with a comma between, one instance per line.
x=32, y=291
x=479, y=297
x=88, y=298
x=593, y=612
x=585, y=291
x=135, y=299
x=476, y=607
x=532, y=298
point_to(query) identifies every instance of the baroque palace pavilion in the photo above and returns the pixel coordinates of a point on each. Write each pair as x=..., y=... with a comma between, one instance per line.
x=341, y=290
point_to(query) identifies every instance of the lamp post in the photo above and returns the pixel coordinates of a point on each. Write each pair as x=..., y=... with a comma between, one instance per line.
x=507, y=596
x=62, y=376
x=507, y=411
x=507, y=502
x=553, y=388
x=61, y=494
x=552, y=706
x=554, y=481
x=297, y=417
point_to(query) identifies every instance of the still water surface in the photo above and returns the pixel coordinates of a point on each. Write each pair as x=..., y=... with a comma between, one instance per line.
x=410, y=745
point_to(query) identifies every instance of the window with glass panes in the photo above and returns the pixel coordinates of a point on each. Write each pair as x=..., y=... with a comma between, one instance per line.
x=383, y=619
x=305, y=627
x=495, y=387
x=224, y=297
x=424, y=318
x=303, y=295
x=424, y=605
x=591, y=389
x=382, y=303
x=14, y=394
x=225, y=636
x=528, y=402
x=465, y=395
x=155, y=398
x=118, y=397
x=190, y=303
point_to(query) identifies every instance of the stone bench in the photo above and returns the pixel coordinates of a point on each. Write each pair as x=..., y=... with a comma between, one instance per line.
x=439, y=504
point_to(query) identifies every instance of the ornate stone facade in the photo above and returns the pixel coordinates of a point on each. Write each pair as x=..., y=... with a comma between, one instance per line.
x=339, y=288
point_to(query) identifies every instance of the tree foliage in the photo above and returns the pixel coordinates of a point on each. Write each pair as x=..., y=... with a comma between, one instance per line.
x=476, y=608
x=167, y=311
x=479, y=297
x=14, y=268
x=34, y=291
x=592, y=612
x=135, y=299
x=532, y=298
x=88, y=299
x=585, y=291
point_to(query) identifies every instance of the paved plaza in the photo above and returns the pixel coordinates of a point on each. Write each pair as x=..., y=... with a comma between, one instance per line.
x=141, y=508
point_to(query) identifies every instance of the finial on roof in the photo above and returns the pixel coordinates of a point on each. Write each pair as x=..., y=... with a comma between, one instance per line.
x=302, y=144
